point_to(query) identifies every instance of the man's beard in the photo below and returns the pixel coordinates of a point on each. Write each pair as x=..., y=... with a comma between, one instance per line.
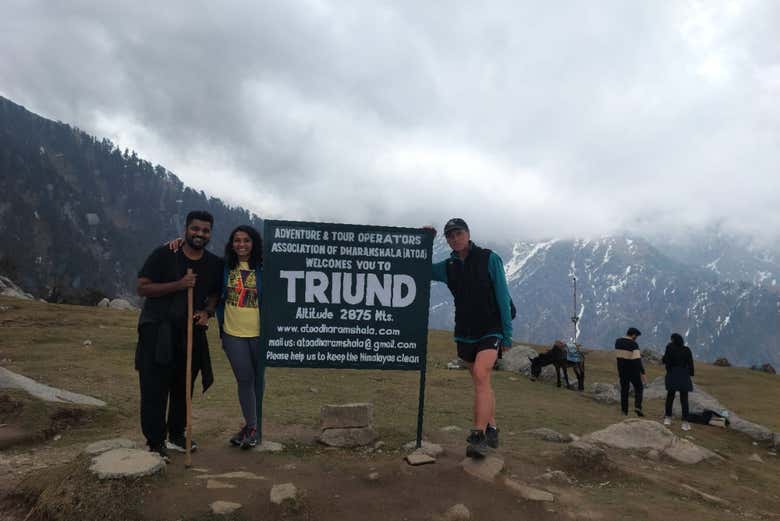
x=195, y=245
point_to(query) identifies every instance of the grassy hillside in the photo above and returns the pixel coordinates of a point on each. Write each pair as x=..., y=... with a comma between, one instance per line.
x=46, y=342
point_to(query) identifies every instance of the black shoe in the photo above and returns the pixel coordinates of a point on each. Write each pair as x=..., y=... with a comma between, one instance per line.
x=639, y=413
x=250, y=438
x=160, y=449
x=179, y=444
x=477, y=444
x=491, y=433
x=238, y=437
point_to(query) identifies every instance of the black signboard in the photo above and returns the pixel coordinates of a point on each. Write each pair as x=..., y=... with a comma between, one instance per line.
x=345, y=296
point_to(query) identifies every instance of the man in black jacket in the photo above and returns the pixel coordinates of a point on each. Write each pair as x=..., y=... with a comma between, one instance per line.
x=630, y=370
x=160, y=357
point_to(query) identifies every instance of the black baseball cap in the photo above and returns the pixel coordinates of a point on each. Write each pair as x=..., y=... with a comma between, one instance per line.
x=456, y=223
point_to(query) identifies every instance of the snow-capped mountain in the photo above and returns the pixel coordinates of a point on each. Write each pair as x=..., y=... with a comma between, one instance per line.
x=622, y=282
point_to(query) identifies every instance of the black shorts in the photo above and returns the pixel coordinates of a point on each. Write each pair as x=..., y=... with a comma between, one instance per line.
x=468, y=351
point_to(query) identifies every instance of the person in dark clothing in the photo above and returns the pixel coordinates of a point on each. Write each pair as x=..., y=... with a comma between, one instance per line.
x=678, y=360
x=160, y=357
x=630, y=370
x=483, y=322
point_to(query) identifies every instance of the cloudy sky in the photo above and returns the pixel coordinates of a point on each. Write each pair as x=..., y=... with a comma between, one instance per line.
x=529, y=119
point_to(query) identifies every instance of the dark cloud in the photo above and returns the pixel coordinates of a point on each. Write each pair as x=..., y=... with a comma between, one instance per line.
x=532, y=121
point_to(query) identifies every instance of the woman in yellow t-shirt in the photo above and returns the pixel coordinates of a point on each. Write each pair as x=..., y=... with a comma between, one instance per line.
x=238, y=313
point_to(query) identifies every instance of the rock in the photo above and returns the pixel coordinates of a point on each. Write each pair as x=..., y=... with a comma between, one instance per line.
x=756, y=458
x=346, y=416
x=9, y=289
x=517, y=360
x=549, y=435
x=776, y=440
x=645, y=435
x=586, y=456
x=426, y=447
x=556, y=475
x=120, y=303
x=99, y=447
x=651, y=356
x=269, y=446
x=348, y=437
x=126, y=463
x=653, y=455
x=379, y=445
x=457, y=363
x=605, y=393
x=722, y=362
x=457, y=512
x=104, y=302
x=11, y=380
x=222, y=508
x=86, y=343
x=704, y=495
x=419, y=458
x=486, y=468
x=374, y=476
x=283, y=492
x=528, y=492
x=573, y=437
x=213, y=483
x=451, y=428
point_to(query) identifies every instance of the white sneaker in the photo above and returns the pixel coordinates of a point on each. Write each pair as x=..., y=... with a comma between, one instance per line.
x=667, y=420
x=685, y=426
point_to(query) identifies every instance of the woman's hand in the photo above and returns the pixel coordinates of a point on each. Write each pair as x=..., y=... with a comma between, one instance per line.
x=175, y=244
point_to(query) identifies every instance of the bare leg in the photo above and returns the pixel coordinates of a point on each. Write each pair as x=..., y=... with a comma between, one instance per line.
x=484, y=398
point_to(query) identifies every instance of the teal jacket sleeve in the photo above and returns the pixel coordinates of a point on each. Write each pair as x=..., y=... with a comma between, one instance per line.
x=498, y=277
x=439, y=271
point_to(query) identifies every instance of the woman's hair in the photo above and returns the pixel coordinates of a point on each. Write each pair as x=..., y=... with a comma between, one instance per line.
x=255, y=255
x=677, y=340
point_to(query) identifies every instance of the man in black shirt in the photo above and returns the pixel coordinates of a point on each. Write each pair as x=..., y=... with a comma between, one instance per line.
x=630, y=370
x=162, y=331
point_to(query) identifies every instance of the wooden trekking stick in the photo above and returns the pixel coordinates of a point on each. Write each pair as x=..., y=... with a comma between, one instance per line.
x=188, y=385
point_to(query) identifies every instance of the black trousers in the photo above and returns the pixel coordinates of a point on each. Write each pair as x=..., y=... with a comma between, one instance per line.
x=163, y=387
x=630, y=372
x=683, y=403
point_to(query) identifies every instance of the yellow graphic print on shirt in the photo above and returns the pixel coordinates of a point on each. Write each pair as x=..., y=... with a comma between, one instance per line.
x=241, y=314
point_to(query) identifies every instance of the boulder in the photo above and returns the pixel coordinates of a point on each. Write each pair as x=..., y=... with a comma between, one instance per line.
x=586, y=456
x=517, y=360
x=348, y=437
x=419, y=458
x=283, y=492
x=120, y=303
x=486, y=468
x=346, y=416
x=269, y=446
x=104, y=303
x=457, y=512
x=549, y=435
x=764, y=368
x=457, y=363
x=646, y=435
x=99, y=447
x=11, y=380
x=126, y=463
x=9, y=289
x=722, y=362
x=651, y=356
x=605, y=393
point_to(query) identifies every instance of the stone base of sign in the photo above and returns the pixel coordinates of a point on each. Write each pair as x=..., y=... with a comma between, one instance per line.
x=347, y=416
x=419, y=458
x=358, y=437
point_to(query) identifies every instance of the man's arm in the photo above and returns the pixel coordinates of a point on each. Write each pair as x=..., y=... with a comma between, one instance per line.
x=147, y=288
x=498, y=277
